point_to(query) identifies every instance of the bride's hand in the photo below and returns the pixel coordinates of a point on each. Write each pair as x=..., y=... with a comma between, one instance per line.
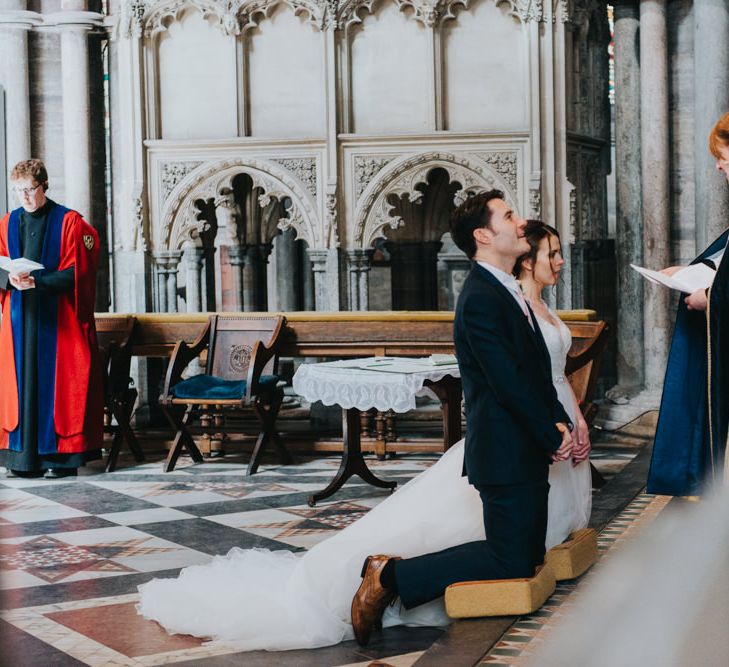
x=581, y=450
x=670, y=270
x=565, y=449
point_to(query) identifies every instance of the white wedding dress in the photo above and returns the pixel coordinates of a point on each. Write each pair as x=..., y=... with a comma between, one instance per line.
x=277, y=600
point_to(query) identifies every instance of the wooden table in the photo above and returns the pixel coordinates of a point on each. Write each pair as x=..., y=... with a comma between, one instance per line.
x=354, y=385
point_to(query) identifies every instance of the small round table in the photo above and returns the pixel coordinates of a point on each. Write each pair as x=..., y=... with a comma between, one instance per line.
x=383, y=383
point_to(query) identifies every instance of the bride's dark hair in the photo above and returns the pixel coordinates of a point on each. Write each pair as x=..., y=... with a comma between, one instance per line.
x=534, y=232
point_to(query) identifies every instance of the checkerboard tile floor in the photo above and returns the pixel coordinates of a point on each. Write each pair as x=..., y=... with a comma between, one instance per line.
x=73, y=551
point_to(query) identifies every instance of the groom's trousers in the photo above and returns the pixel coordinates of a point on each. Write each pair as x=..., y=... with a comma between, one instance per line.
x=515, y=519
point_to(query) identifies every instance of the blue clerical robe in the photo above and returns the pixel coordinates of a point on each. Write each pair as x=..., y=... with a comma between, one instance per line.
x=690, y=439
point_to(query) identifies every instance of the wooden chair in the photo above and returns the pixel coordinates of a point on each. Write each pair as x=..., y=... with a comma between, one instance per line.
x=240, y=373
x=589, y=340
x=114, y=335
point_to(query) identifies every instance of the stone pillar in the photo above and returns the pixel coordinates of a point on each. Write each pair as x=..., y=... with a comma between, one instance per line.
x=74, y=27
x=319, y=260
x=15, y=23
x=288, y=277
x=236, y=258
x=308, y=282
x=193, y=260
x=629, y=233
x=455, y=266
x=167, y=262
x=255, y=295
x=655, y=158
x=358, y=261
x=711, y=101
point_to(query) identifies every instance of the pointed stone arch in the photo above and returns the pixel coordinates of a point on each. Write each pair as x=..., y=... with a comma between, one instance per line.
x=180, y=219
x=373, y=212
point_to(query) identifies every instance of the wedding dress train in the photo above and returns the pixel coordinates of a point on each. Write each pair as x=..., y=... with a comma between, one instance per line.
x=277, y=600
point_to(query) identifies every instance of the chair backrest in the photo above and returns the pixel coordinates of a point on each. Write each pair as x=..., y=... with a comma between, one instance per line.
x=232, y=340
x=114, y=335
x=589, y=340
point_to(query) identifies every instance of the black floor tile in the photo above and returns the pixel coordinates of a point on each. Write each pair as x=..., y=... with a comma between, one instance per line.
x=89, y=498
x=80, y=590
x=208, y=537
x=19, y=649
x=55, y=526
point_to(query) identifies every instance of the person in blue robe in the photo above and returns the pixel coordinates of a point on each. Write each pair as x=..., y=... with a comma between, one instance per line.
x=691, y=436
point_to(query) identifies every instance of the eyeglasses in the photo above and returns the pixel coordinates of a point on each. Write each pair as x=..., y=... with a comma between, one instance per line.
x=27, y=191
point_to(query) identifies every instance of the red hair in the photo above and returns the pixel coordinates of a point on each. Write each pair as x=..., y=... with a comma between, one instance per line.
x=719, y=137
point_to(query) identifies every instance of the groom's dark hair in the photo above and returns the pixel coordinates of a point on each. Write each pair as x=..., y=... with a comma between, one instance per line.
x=471, y=215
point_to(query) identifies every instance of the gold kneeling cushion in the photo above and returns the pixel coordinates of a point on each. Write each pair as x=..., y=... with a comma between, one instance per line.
x=574, y=556
x=500, y=597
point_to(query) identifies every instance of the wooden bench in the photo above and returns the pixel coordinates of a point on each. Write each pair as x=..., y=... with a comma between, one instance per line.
x=375, y=333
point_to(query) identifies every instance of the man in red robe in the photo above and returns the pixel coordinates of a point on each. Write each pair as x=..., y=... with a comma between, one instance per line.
x=51, y=402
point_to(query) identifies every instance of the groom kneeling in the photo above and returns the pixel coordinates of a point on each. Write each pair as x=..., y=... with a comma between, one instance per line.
x=515, y=425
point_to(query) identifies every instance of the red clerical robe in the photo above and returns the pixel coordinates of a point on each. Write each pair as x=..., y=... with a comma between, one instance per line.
x=70, y=392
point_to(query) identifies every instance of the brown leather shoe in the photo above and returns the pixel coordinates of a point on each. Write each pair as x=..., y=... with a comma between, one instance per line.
x=370, y=600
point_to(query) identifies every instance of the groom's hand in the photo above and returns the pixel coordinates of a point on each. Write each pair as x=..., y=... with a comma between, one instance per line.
x=565, y=449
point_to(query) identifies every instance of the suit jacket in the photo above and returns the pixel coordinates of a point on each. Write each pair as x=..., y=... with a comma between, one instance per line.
x=511, y=404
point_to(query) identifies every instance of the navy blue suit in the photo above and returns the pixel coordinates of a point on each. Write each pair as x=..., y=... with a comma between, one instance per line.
x=511, y=412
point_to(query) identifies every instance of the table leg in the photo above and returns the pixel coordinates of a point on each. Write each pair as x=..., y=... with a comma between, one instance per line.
x=448, y=390
x=353, y=462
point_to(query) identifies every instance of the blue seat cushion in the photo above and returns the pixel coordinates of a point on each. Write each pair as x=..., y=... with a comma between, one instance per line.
x=209, y=386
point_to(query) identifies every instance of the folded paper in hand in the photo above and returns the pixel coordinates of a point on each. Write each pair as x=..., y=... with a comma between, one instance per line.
x=20, y=265
x=688, y=279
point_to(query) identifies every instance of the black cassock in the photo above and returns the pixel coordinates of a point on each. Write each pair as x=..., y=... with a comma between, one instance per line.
x=32, y=234
x=691, y=436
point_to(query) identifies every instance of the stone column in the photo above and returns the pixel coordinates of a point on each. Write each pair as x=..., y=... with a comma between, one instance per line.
x=319, y=260
x=711, y=101
x=236, y=258
x=167, y=262
x=15, y=23
x=193, y=260
x=74, y=25
x=358, y=261
x=455, y=265
x=288, y=277
x=255, y=295
x=308, y=282
x=629, y=233
x=655, y=158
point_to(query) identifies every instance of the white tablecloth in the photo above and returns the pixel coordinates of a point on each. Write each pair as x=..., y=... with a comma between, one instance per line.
x=347, y=384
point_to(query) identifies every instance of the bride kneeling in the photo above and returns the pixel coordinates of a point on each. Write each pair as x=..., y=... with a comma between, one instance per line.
x=277, y=600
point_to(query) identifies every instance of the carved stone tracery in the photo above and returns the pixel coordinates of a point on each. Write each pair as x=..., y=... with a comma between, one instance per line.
x=366, y=168
x=232, y=17
x=171, y=173
x=374, y=211
x=180, y=218
x=304, y=168
x=504, y=162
